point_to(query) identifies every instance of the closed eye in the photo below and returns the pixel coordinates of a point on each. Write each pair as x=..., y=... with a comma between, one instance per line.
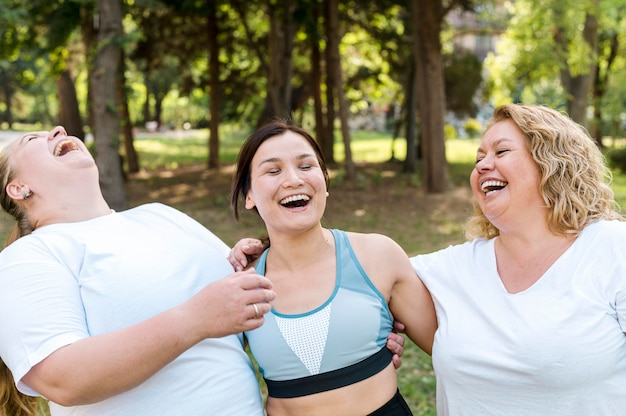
x=27, y=138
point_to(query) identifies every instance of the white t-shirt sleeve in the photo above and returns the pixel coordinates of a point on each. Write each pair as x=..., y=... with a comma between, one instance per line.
x=40, y=306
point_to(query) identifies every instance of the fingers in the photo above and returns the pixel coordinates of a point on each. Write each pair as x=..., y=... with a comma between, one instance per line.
x=397, y=361
x=248, y=279
x=258, y=310
x=237, y=259
x=253, y=247
x=244, y=252
x=398, y=326
x=395, y=344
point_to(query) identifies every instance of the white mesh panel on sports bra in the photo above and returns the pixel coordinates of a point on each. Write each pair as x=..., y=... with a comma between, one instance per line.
x=306, y=336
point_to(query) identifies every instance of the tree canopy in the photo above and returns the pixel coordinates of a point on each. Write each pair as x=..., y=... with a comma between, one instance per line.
x=204, y=63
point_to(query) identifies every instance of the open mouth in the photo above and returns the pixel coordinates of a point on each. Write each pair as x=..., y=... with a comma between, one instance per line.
x=295, y=201
x=489, y=187
x=64, y=148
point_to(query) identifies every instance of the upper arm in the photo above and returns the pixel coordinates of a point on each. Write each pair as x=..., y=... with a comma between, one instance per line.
x=409, y=301
x=40, y=312
x=412, y=305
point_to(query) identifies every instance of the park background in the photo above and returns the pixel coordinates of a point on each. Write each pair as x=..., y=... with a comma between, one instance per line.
x=397, y=92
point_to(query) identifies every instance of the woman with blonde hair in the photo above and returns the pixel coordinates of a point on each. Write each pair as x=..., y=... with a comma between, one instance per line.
x=532, y=310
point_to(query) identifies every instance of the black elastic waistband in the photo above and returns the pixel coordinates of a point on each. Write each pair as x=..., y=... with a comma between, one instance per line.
x=332, y=379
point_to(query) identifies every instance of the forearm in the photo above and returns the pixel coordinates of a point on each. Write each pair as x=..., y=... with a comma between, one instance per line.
x=102, y=366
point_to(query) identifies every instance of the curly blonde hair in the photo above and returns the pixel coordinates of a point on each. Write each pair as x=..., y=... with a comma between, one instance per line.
x=575, y=181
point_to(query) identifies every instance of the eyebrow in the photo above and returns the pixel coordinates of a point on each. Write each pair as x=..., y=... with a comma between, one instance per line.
x=276, y=159
x=31, y=134
x=496, y=143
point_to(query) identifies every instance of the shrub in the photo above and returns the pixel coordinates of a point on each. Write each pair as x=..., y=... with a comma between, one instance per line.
x=472, y=128
x=617, y=159
x=449, y=132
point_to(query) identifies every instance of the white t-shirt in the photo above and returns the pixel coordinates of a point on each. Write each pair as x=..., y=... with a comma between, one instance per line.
x=69, y=281
x=557, y=348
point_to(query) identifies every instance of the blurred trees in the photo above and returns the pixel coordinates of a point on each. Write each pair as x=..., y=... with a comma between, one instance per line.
x=319, y=62
x=563, y=53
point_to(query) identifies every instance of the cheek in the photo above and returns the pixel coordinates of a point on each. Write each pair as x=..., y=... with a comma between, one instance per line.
x=474, y=182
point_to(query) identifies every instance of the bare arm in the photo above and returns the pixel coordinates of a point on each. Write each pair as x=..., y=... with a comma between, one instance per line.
x=411, y=303
x=95, y=368
x=390, y=269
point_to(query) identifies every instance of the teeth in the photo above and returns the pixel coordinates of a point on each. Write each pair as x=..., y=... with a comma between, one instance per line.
x=294, y=198
x=65, y=147
x=488, y=185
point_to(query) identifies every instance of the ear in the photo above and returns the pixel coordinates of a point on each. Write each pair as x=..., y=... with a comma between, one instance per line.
x=249, y=202
x=14, y=191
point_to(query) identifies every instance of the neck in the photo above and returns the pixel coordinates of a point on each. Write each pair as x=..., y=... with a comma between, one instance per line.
x=533, y=244
x=78, y=207
x=294, y=251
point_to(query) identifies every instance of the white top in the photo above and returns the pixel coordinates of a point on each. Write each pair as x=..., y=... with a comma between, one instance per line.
x=66, y=282
x=557, y=348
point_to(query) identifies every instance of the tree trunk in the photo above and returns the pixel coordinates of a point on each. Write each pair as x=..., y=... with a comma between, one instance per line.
x=105, y=101
x=69, y=114
x=333, y=66
x=132, y=160
x=7, y=90
x=280, y=69
x=158, y=108
x=88, y=33
x=214, y=87
x=427, y=18
x=578, y=88
x=410, y=163
x=331, y=114
x=600, y=85
x=316, y=75
x=147, y=114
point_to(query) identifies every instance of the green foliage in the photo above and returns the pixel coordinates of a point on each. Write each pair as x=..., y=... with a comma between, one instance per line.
x=449, y=132
x=529, y=61
x=462, y=78
x=617, y=159
x=472, y=127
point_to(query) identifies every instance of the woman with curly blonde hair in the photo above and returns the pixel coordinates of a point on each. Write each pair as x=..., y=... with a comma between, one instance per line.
x=575, y=180
x=532, y=310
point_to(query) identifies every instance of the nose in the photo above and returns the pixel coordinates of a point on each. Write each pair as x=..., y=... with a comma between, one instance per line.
x=292, y=178
x=485, y=164
x=56, y=132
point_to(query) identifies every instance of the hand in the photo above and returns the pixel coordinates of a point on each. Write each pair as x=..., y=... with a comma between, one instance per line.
x=231, y=305
x=395, y=343
x=244, y=252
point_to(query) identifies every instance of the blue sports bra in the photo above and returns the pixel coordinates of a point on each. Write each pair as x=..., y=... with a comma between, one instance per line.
x=337, y=344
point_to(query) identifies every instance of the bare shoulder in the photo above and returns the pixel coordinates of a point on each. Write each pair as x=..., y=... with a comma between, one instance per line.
x=374, y=244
